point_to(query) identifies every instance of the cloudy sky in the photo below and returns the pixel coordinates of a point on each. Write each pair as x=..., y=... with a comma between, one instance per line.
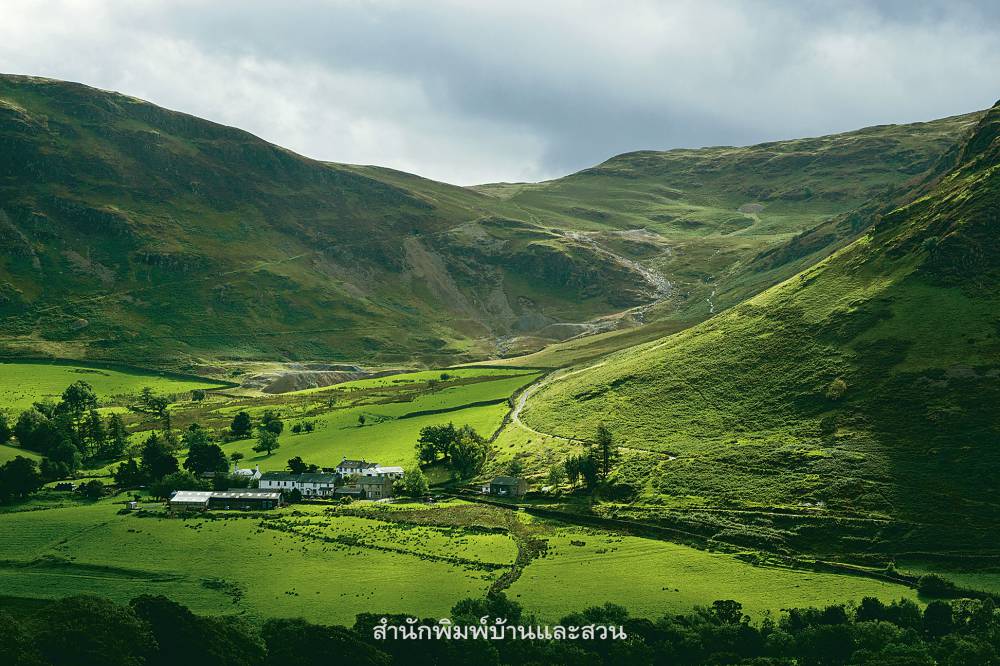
x=481, y=91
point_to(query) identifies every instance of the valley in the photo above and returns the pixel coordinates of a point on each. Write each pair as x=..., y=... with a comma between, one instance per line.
x=764, y=373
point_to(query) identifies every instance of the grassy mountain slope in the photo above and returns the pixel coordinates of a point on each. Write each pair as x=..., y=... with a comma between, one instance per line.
x=130, y=232
x=860, y=396
x=700, y=217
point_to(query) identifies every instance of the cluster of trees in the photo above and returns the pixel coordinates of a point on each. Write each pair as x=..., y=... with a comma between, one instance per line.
x=19, y=478
x=68, y=432
x=268, y=429
x=154, y=631
x=413, y=484
x=593, y=466
x=462, y=449
x=157, y=464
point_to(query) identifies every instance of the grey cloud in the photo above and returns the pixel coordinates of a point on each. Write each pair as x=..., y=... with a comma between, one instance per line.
x=467, y=92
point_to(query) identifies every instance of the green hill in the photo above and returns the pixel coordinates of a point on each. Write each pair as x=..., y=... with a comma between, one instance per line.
x=851, y=409
x=133, y=233
x=723, y=223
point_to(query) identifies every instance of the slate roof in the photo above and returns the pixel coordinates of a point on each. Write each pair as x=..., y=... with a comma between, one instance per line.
x=308, y=477
x=361, y=464
x=506, y=481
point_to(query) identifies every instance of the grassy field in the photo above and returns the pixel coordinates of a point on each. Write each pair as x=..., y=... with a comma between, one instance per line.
x=851, y=409
x=651, y=578
x=391, y=428
x=8, y=452
x=22, y=383
x=327, y=566
x=272, y=570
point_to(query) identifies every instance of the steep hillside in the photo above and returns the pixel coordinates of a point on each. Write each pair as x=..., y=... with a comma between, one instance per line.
x=701, y=217
x=130, y=232
x=865, y=388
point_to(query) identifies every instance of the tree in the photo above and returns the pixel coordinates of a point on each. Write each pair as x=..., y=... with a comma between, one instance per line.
x=272, y=422
x=146, y=396
x=515, y=467
x=413, y=483
x=607, y=451
x=186, y=638
x=198, y=395
x=266, y=441
x=295, y=641
x=53, y=469
x=117, y=440
x=93, y=489
x=361, y=420
x=468, y=452
x=938, y=619
x=95, y=434
x=293, y=496
x=36, y=431
x=16, y=644
x=157, y=460
x=236, y=457
x=241, y=425
x=19, y=478
x=93, y=631
x=78, y=399
x=557, y=475
x=297, y=466
x=128, y=474
x=204, y=455
x=572, y=466
x=67, y=455
x=184, y=480
x=434, y=441
x=6, y=432
x=590, y=469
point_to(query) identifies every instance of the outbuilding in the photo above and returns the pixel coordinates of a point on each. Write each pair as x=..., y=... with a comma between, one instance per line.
x=508, y=486
x=189, y=500
x=241, y=498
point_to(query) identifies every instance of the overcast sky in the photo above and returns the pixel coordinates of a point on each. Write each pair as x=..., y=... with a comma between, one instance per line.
x=482, y=91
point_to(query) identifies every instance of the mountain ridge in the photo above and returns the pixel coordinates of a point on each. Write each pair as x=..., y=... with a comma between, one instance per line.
x=135, y=232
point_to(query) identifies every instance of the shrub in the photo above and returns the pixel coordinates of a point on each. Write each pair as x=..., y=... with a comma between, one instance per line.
x=836, y=389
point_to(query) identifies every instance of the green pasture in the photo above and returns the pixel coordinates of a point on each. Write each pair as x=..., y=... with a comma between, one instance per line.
x=308, y=562
x=407, y=378
x=652, y=577
x=24, y=383
x=389, y=435
x=8, y=452
x=239, y=565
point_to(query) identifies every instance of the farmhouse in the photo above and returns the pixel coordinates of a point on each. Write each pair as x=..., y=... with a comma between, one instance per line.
x=507, y=486
x=310, y=484
x=349, y=467
x=375, y=487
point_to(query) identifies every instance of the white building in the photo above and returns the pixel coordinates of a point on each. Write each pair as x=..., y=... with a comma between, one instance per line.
x=310, y=484
x=349, y=467
x=246, y=472
x=380, y=470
